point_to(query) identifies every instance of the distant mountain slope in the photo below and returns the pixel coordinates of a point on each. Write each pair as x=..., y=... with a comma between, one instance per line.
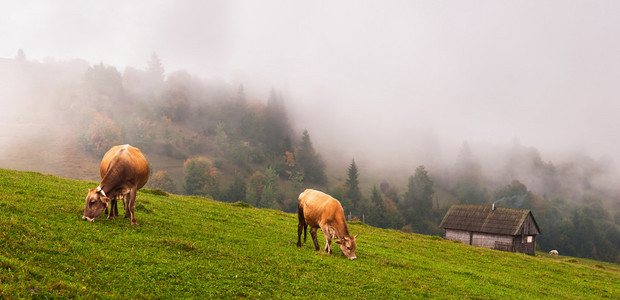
x=195, y=247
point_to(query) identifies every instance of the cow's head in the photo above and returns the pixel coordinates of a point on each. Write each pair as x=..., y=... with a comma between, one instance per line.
x=95, y=204
x=348, y=245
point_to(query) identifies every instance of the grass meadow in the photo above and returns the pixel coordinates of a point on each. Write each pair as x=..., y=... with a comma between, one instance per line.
x=192, y=247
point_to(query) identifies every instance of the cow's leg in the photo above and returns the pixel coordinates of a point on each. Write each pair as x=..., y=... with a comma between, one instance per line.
x=300, y=228
x=116, y=207
x=328, y=239
x=132, y=205
x=313, y=234
x=111, y=213
x=126, y=198
x=112, y=207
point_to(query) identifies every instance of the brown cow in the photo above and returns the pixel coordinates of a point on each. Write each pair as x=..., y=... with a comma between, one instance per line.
x=123, y=171
x=320, y=210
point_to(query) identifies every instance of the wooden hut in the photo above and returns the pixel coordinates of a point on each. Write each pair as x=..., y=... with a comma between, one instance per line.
x=499, y=228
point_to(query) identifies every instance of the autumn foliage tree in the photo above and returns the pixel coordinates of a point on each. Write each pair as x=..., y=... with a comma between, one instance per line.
x=101, y=135
x=162, y=180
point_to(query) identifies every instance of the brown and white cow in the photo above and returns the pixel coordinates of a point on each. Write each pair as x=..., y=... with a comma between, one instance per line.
x=320, y=210
x=553, y=252
x=123, y=171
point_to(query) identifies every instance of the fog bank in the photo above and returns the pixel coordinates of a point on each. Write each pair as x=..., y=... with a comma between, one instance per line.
x=397, y=83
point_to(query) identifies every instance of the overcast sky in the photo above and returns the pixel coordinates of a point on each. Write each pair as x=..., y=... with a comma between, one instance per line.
x=368, y=77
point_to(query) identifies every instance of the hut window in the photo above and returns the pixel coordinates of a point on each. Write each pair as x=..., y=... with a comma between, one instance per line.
x=530, y=239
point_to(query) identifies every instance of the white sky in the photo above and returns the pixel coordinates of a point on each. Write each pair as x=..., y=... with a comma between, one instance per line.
x=370, y=77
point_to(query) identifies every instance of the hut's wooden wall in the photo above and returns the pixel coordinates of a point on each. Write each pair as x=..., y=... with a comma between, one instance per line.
x=483, y=240
x=460, y=235
x=489, y=241
x=528, y=227
x=521, y=245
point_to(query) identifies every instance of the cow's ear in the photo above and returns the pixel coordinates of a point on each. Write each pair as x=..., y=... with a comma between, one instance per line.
x=105, y=199
x=339, y=242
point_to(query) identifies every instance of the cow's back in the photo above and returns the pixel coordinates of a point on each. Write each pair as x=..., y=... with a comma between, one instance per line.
x=319, y=207
x=130, y=156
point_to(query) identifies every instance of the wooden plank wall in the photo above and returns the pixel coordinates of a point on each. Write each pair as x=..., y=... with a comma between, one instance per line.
x=460, y=235
x=486, y=240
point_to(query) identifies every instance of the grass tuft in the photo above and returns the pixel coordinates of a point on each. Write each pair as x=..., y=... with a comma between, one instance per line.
x=157, y=192
x=241, y=204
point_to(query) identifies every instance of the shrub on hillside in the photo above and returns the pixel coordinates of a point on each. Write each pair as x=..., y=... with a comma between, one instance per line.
x=200, y=177
x=162, y=180
x=101, y=135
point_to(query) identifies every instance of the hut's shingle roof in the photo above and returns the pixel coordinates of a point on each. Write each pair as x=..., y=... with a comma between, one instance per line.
x=481, y=218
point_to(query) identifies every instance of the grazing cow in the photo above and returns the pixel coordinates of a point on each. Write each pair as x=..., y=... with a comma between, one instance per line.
x=553, y=252
x=123, y=171
x=320, y=210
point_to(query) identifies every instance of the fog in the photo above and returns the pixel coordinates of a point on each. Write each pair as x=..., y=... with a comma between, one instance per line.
x=398, y=83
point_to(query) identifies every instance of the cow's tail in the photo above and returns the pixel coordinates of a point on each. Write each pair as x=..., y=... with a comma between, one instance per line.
x=302, y=221
x=305, y=228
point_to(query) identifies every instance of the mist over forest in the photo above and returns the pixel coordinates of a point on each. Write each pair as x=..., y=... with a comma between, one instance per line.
x=213, y=138
x=399, y=109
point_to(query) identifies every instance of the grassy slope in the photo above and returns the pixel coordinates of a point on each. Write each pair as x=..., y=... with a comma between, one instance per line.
x=194, y=247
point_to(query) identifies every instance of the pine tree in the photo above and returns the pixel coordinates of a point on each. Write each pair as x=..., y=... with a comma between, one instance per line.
x=372, y=210
x=421, y=187
x=276, y=126
x=353, y=191
x=418, y=201
x=240, y=99
x=155, y=70
x=376, y=196
x=310, y=163
x=270, y=189
x=236, y=190
x=469, y=186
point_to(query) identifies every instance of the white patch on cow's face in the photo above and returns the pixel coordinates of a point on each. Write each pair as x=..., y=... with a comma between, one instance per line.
x=348, y=246
x=94, y=205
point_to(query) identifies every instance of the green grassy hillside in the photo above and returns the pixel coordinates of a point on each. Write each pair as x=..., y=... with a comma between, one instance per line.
x=190, y=247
